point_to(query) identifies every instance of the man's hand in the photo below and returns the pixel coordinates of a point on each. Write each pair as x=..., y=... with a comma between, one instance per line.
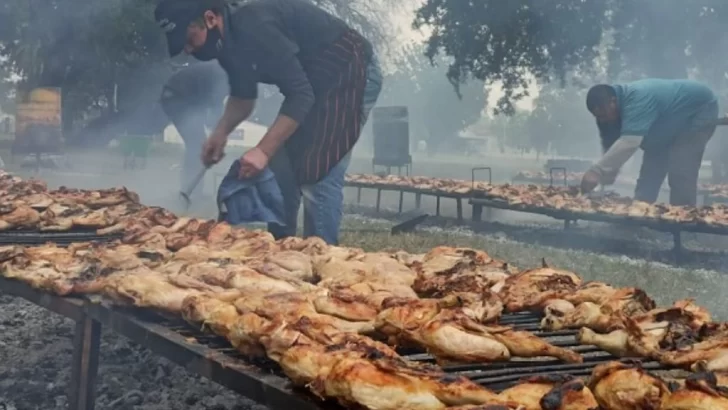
x=252, y=163
x=589, y=181
x=213, y=150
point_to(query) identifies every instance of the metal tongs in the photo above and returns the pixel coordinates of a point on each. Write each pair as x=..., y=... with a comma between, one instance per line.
x=186, y=192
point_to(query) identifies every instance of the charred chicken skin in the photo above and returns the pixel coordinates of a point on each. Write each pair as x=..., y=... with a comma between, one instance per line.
x=620, y=386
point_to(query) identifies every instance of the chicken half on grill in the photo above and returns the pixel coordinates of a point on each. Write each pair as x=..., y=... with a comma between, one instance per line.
x=622, y=386
x=705, y=350
x=358, y=371
x=14, y=216
x=551, y=393
x=447, y=333
x=532, y=289
x=602, y=316
x=651, y=334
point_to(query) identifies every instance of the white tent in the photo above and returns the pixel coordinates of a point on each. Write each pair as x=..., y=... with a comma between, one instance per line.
x=252, y=132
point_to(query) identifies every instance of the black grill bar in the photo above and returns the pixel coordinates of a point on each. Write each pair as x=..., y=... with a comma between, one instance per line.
x=59, y=238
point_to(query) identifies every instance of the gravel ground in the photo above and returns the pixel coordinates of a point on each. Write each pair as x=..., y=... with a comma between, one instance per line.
x=35, y=352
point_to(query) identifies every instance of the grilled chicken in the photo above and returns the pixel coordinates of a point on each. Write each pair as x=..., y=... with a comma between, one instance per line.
x=602, y=316
x=620, y=386
x=702, y=391
x=97, y=198
x=38, y=201
x=143, y=287
x=650, y=334
x=551, y=393
x=532, y=289
x=444, y=262
x=450, y=335
x=374, y=267
x=210, y=312
x=234, y=276
x=293, y=306
x=708, y=352
x=17, y=216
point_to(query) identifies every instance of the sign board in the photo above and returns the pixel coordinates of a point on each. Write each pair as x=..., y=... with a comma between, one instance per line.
x=38, y=127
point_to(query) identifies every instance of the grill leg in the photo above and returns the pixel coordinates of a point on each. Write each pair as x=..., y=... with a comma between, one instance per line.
x=418, y=201
x=488, y=214
x=379, y=198
x=477, y=213
x=401, y=200
x=82, y=394
x=437, y=209
x=677, y=249
x=567, y=224
x=460, y=209
x=358, y=195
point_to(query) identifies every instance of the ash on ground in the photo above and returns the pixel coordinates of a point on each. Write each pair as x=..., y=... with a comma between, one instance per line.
x=35, y=355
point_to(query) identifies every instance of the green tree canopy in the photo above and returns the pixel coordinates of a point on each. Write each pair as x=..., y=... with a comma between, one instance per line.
x=96, y=50
x=512, y=41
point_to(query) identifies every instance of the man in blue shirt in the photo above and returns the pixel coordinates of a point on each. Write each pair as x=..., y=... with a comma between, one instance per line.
x=671, y=120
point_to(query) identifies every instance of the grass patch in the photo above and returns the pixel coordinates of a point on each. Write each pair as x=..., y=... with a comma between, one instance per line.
x=662, y=282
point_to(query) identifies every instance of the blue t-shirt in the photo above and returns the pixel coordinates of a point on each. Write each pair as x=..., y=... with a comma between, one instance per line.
x=659, y=110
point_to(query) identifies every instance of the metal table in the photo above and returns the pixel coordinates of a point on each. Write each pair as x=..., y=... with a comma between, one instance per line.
x=191, y=350
x=212, y=357
x=570, y=217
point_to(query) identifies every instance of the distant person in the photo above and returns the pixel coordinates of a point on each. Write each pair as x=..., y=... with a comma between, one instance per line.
x=191, y=98
x=671, y=120
x=327, y=72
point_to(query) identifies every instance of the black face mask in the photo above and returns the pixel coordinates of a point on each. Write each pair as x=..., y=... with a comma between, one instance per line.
x=211, y=49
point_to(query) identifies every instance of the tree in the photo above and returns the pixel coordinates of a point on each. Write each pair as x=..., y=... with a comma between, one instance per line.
x=437, y=113
x=510, y=41
x=90, y=48
x=507, y=41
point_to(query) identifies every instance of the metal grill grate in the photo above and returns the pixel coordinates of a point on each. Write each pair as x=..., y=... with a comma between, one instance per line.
x=496, y=376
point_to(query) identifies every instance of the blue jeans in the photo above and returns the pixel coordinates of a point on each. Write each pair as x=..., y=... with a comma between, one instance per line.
x=322, y=201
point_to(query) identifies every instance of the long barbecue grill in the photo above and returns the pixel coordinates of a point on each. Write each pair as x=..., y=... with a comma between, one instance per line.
x=479, y=203
x=212, y=357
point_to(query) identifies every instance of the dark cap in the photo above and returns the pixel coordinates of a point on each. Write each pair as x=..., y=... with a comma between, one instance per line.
x=174, y=16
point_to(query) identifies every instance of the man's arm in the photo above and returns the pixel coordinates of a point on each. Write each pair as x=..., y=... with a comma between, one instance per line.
x=279, y=60
x=236, y=111
x=615, y=157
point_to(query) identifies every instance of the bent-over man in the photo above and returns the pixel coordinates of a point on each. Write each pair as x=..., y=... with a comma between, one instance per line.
x=191, y=97
x=327, y=72
x=671, y=120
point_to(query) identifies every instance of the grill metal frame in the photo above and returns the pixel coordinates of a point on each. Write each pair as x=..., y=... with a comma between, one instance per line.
x=212, y=356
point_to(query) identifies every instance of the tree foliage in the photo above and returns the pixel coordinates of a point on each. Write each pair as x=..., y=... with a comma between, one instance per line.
x=510, y=41
x=99, y=50
x=506, y=41
x=436, y=112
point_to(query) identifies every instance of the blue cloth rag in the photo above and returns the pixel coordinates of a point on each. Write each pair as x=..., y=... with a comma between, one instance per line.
x=257, y=199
